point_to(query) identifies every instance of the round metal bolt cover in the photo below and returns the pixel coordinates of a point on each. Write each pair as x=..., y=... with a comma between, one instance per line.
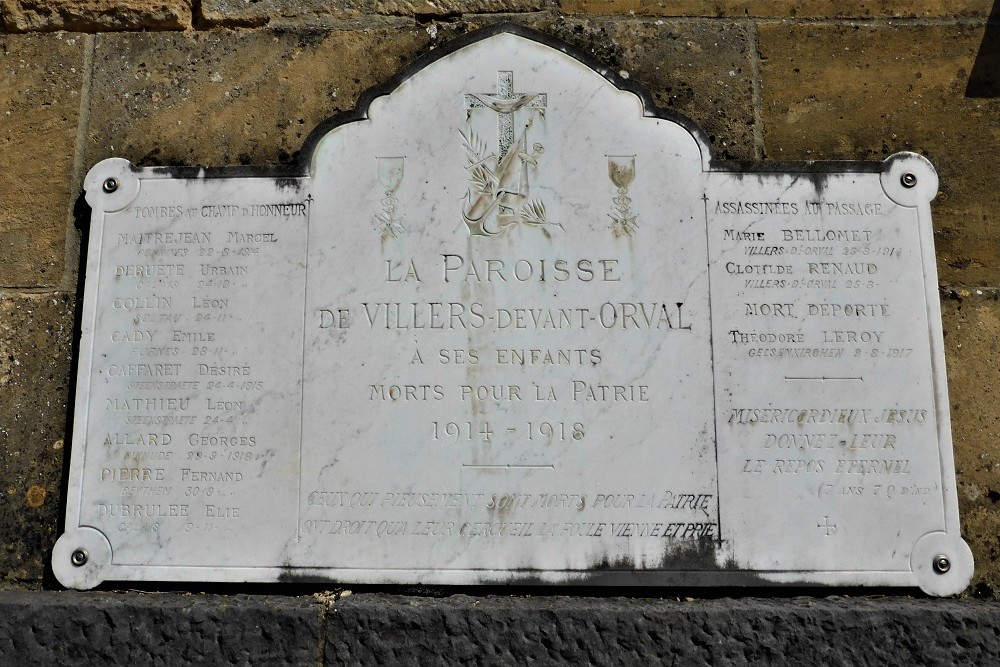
x=908, y=180
x=941, y=564
x=110, y=184
x=79, y=557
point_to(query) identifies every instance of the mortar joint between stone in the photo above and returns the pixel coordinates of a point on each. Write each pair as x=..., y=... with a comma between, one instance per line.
x=757, y=90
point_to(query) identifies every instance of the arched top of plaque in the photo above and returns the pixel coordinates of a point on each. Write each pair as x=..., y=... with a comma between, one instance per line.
x=515, y=128
x=514, y=74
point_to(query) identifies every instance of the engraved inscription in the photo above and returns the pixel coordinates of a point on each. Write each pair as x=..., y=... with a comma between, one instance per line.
x=172, y=360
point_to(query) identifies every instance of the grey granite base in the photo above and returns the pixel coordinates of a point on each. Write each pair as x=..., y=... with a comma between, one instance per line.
x=41, y=628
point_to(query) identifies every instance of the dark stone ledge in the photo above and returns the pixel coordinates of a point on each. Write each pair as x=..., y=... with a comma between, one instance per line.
x=374, y=628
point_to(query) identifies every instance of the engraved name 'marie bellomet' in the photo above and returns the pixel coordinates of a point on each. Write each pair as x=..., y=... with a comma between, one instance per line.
x=510, y=323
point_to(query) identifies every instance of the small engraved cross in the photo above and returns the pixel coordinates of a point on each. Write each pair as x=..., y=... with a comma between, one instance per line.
x=505, y=102
x=831, y=528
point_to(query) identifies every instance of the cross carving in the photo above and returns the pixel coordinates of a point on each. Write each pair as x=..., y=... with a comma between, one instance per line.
x=831, y=528
x=505, y=102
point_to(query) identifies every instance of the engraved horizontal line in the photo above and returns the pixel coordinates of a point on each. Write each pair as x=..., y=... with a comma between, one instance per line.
x=824, y=378
x=903, y=574
x=508, y=466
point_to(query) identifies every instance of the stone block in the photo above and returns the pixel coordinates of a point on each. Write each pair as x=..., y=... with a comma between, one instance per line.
x=241, y=13
x=372, y=628
x=842, y=91
x=48, y=628
x=221, y=98
x=798, y=9
x=40, y=82
x=95, y=15
x=972, y=328
x=369, y=629
x=36, y=339
x=232, y=13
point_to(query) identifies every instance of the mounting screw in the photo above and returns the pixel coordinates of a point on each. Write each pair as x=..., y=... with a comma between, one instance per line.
x=908, y=179
x=110, y=185
x=941, y=564
x=79, y=557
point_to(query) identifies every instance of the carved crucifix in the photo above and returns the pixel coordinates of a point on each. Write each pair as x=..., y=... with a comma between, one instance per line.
x=505, y=102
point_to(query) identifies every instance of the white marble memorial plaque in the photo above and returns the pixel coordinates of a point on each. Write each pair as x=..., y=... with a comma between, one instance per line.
x=511, y=324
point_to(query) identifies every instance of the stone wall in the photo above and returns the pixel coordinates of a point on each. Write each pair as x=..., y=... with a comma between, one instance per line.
x=222, y=82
